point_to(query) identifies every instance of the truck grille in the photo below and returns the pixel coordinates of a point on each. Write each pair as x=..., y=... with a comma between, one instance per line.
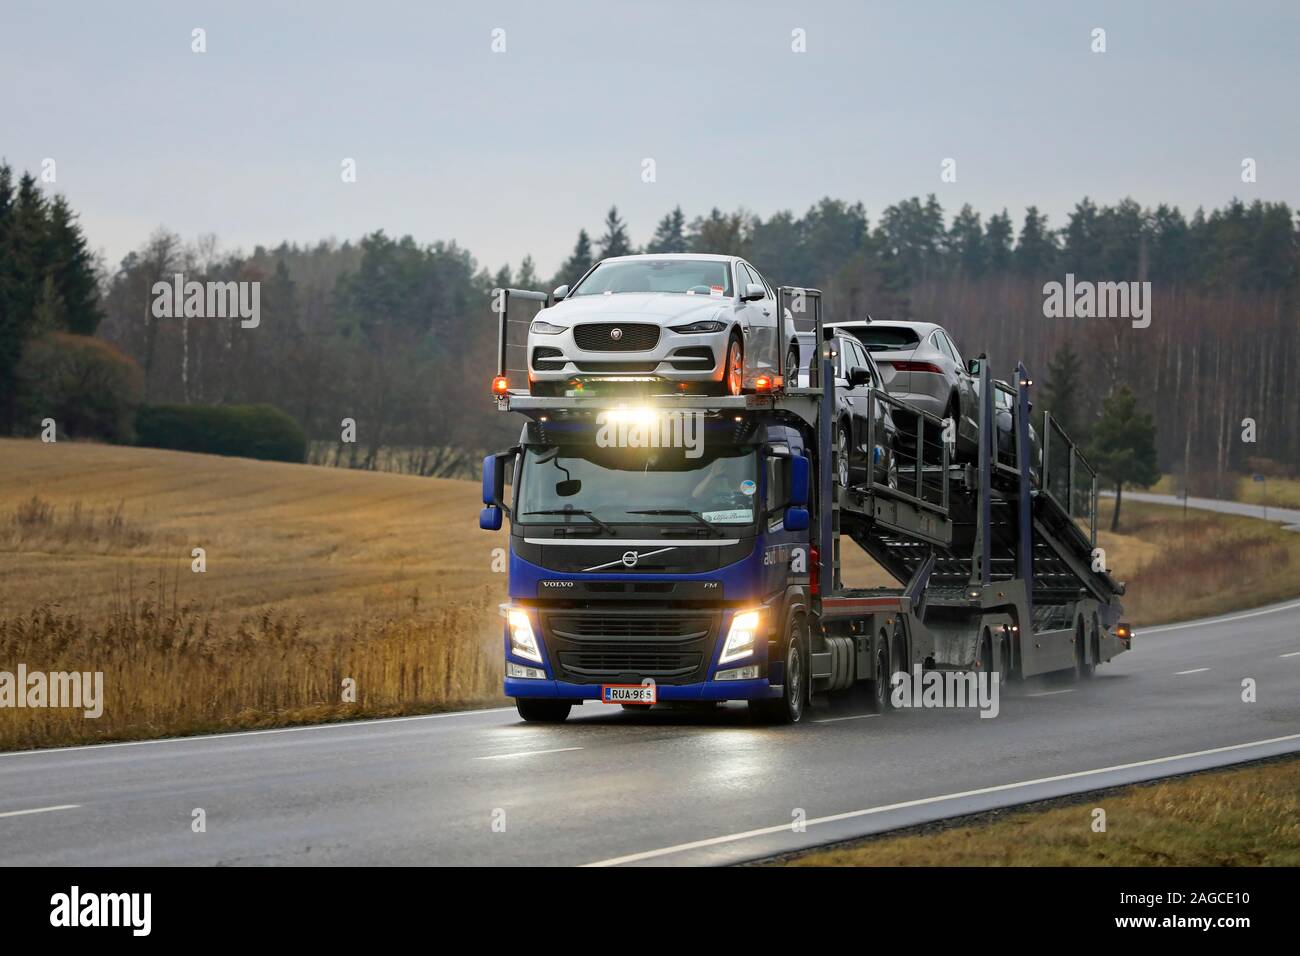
x=590, y=647
x=597, y=337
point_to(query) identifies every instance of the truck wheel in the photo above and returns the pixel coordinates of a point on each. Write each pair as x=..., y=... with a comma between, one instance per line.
x=541, y=710
x=789, y=708
x=881, y=701
x=733, y=373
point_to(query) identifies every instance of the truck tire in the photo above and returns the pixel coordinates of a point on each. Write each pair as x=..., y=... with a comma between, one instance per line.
x=881, y=701
x=541, y=710
x=791, y=706
x=1083, y=666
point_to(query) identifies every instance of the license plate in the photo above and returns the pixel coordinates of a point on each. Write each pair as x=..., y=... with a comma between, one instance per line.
x=628, y=694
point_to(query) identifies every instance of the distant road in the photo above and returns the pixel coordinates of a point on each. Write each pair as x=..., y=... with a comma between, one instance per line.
x=666, y=787
x=1287, y=517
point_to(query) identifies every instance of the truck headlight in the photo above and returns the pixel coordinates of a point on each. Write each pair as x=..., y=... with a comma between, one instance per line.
x=545, y=328
x=741, y=637
x=696, y=328
x=522, y=641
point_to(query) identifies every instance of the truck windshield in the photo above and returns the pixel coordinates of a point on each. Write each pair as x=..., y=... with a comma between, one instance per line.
x=615, y=483
x=688, y=276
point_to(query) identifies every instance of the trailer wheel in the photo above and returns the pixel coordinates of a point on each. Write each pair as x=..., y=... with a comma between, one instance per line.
x=1083, y=668
x=986, y=663
x=1087, y=661
x=542, y=711
x=789, y=708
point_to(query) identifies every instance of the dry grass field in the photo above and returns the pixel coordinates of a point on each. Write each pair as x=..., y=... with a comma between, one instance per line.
x=314, y=575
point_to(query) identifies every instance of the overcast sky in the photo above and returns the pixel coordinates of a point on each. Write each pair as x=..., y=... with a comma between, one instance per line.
x=511, y=153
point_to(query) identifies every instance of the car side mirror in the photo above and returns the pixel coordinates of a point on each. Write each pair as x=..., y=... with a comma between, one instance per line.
x=859, y=376
x=973, y=366
x=560, y=293
x=753, y=292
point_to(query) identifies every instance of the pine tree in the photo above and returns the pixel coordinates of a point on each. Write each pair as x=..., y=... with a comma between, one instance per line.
x=1036, y=252
x=1061, y=393
x=528, y=275
x=998, y=238
x=576, y=266
x=73, y=270
x=670, y=234
x=966, y=243
x=1123, y=448
x=615, y=241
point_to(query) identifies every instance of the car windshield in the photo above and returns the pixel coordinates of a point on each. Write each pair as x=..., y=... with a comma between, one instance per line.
x=683, y=276
x=885, y=338
x=614, y=483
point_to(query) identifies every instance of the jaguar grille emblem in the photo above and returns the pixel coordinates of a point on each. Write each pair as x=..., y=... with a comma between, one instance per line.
x=616, y=334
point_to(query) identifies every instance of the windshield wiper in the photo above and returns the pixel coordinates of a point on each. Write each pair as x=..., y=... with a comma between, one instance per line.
x=684, y=512
x=574, y=511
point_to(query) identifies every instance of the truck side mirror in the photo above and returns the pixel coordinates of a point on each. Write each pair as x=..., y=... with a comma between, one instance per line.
x=796, y=519
x=798, y=485
x=560, y=293
x=494, y=489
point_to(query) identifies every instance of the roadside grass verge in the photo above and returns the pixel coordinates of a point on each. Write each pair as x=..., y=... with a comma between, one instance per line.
x=1179, y=568
x=1248, y=816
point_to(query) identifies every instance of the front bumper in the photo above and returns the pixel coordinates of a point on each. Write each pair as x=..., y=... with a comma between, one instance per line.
x=666, y=360
x=759, y=689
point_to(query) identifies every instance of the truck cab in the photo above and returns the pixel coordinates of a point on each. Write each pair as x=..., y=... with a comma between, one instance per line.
x=656, y=555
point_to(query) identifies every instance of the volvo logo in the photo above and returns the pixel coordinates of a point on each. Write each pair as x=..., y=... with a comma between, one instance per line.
x=629, y=557
x=616, y=334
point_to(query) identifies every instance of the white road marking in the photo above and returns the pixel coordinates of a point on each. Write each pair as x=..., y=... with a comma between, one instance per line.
x=1051, y=693
x=831, y=720
x=23, y=813
x=259, y=733
x=527, y=753
x=1216, y=620
x=1194, y=670
x=1292, y=654
x=924, y=801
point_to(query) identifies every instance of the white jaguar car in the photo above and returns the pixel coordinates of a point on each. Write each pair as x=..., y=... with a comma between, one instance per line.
x=704, y=323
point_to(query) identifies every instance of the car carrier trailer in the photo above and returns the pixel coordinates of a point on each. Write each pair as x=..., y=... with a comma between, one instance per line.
x=622, y=601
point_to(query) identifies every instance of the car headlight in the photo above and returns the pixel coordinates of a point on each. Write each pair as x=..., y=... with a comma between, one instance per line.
x=741, y=637
x=699, y=327
x=522, y=641
x=545, y=328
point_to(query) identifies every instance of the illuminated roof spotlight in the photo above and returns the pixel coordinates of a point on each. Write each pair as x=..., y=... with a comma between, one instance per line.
x=500, y=385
